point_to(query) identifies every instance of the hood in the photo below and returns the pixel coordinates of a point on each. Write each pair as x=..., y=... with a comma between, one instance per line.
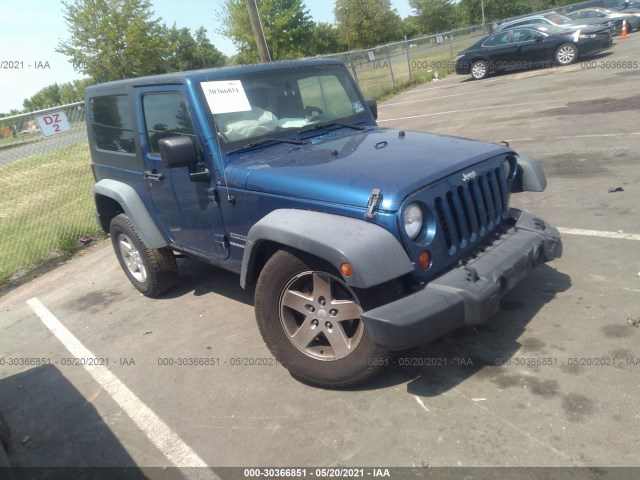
x=343, y=166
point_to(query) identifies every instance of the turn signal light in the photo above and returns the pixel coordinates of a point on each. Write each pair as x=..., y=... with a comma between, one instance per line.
x=425, y=260
x=346, y=269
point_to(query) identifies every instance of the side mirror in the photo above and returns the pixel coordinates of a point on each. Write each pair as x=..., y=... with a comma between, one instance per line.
x=178, y=152
x=373, y=106
x=539, y=37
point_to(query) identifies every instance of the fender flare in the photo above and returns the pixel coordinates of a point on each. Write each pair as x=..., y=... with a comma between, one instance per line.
x=133, y=207
x=529, y=176
x=374, y=253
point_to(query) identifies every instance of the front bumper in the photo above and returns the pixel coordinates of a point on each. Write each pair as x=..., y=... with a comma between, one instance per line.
x=469, y=294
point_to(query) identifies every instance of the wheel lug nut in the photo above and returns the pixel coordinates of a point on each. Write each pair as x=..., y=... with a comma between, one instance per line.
x=328, y=325
x=333, y=312
x=314, y=323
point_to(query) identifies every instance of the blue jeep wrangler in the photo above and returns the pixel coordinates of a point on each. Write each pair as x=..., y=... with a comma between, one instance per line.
x=359, y=240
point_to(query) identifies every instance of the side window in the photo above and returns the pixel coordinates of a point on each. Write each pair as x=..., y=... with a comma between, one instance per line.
x=165, y=115
x=111, y=123
x=501, y=38
x=326, y=93
x=524, y=35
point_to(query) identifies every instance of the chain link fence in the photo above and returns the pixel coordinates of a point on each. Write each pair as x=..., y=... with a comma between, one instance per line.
x=385, y=69
x=46, y=206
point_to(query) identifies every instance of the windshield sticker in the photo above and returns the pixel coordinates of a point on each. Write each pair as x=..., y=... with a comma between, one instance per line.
x=357, y=107
x=226, y=96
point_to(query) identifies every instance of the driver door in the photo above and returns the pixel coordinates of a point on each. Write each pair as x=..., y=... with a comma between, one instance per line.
x=187, y=210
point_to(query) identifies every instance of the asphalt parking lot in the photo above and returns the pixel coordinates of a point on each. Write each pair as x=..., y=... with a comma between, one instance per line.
x=552, y=380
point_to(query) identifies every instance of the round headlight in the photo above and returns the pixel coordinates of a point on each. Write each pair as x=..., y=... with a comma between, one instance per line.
x=413, y=219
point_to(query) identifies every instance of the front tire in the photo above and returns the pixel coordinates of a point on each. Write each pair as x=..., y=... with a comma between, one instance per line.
x=151, y=271
x=566, y=54
x=479, y=69
x=311, y=321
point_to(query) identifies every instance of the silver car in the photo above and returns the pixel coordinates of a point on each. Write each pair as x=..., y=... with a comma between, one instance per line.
x=557, y=20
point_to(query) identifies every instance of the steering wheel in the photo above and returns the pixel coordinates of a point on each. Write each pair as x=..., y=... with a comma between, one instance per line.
x=310, y=112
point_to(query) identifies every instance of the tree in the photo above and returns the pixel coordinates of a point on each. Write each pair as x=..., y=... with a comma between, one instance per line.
x=287, y=28
x=114, y=39
x=435, y=16
x=366, y=23
x=411, y=27
x=325, y=39
x=495, y=10
x=189, y=52
x=71, y=92
x=47, y=97
x=54, y=95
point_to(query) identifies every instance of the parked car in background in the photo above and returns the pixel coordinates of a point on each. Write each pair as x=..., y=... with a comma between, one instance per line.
x=617, y=17
x=556, y=20
x=611, y=4
x=529, y=46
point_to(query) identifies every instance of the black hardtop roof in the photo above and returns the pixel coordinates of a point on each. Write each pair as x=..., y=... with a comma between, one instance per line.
x=207, y=74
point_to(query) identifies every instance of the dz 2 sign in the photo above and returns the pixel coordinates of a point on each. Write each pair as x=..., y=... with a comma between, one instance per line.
x=53, y=123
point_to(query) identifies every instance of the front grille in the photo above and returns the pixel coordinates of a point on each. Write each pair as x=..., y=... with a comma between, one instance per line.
x=473, y=209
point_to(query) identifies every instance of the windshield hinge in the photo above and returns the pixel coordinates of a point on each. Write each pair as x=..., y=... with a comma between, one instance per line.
x=212, y=194
x=374, y=200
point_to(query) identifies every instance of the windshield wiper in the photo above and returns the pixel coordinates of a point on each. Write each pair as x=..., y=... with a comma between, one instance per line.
x=318, y=126
x=263, y=141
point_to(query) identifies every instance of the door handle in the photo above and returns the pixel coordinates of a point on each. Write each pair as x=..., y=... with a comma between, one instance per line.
x=155, y=176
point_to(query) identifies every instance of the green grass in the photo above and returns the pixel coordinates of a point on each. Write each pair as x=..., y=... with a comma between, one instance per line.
x=20, y=139
x=377, y=82
x=46, y=206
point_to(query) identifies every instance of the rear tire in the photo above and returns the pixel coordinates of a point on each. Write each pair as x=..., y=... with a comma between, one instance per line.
x=311, y=321
x=479, y=69
x=5, y=433
x=151, y=271
x=566, y=54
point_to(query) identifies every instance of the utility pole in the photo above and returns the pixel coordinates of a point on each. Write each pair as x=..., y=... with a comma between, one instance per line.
x=482, y=7
x=258, y=33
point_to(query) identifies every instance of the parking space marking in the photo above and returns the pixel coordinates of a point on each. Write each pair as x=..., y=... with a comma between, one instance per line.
x=570, y=137
x=159, y=433
x=492, y=107
x=599, y=233
x=475, y=92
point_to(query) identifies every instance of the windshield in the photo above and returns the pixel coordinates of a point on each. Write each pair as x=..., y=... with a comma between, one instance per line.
x=557, y=18
x=278, y=103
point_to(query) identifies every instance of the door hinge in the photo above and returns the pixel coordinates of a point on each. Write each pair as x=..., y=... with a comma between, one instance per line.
x=374, y=200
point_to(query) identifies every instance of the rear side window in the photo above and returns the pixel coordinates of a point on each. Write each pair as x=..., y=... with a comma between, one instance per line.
x=111, y=123
x=165, y=115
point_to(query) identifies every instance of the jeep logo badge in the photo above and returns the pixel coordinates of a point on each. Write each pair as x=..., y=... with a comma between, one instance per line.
x=469, y=176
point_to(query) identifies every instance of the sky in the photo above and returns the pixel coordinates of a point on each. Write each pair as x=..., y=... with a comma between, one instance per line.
x=30, y=34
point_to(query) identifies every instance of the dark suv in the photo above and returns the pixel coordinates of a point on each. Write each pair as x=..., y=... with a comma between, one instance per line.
x=359, y=240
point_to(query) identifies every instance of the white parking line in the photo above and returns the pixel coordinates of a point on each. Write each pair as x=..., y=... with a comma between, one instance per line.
x=466, y=110
x=599, y=233
x=569, y=137
x=158, y=432
x=421, y=100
